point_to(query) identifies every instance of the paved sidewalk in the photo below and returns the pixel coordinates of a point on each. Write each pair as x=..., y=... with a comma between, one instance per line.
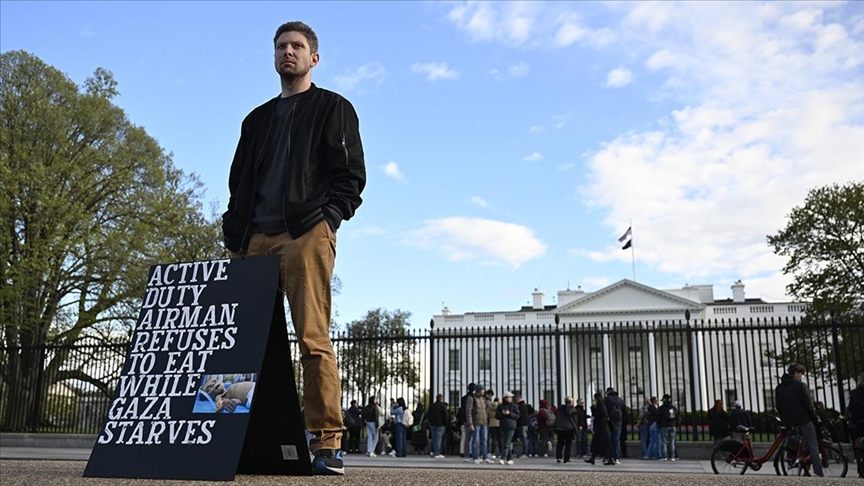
x=50, y=472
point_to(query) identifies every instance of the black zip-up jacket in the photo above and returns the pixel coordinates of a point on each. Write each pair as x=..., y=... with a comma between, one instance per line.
x=793, y=401
x=326, y=171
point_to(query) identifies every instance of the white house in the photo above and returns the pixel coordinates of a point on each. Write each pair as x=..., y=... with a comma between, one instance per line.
x=641, y=340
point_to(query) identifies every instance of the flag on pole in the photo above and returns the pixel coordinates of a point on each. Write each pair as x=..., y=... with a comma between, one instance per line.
x=625, y=235
x=628, y=235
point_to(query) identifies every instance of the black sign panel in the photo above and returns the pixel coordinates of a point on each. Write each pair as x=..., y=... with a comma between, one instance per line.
x=208, y=387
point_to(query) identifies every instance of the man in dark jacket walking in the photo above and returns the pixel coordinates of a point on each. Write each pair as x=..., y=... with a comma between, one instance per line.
x=615, y=409
x=796, y=408
x=297, y=173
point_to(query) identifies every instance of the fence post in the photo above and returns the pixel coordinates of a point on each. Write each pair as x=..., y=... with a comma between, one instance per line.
x=838, y=363
x=433, y=388
x=558, y=381
x=691, y=362
x=37, y=398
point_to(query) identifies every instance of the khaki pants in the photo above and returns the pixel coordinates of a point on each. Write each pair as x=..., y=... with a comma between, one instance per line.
x=306, y=270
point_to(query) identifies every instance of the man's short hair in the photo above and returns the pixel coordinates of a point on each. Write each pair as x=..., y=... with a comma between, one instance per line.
x=795, y=368
x=297, y=26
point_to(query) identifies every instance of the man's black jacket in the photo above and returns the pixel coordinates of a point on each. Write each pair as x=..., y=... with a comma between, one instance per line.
x=326, y=171
x=793, y=401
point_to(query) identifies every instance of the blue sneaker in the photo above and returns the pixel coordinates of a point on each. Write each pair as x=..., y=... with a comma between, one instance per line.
x=328, y=462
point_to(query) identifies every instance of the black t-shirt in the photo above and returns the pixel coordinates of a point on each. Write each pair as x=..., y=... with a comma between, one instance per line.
x=269, y=201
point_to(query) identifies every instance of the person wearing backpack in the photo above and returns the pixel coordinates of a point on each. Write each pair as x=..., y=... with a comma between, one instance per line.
x=615, y=410
x=668, y=420
x=566, y=423
x=546, y=418
x=644, y=420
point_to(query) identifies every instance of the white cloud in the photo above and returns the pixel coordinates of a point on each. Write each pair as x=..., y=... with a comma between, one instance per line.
x=534, y=157
x=479, y=201
x=435, y=70
x=537, y=129
x=526, y=24
x=618, y=77
x=392, y=170
x=508, y=23
x=514, y=71
x=661, y=59
x=566, y=166
x=87, y=31
x=371, y=71
x=519, y=70
x=486, y=241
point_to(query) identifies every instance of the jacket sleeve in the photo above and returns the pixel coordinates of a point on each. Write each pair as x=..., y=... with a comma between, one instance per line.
x=469, y=411
x=237, y=165
x=345, y=163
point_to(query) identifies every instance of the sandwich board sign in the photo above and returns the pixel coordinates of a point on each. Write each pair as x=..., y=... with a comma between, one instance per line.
x=207, y=389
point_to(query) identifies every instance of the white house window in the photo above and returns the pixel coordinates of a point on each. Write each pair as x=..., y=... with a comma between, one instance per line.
x=455, y=360
x=515, y=359
x=546, y=358
x=485, y=359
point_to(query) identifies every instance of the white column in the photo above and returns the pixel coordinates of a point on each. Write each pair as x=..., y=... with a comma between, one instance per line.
x=607, y=363
x=652, y=365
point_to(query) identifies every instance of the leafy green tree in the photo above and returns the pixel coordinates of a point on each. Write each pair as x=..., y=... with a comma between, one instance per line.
x=824, y=243
x=88, y=201
x=379, y=353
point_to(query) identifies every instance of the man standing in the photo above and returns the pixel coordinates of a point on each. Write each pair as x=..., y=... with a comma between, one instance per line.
x=581, y=439
x=667, y=421
x=654, y=430
x=738, y=417
x=796, y=408
x=438, y=420
x=297, y=173
x=494, y=423
x=355, y=423
x=522, y=423
x=475, y=413
x=465, y=441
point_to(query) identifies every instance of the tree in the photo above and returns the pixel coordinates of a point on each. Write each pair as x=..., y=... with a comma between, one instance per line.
x=88, y=201
x=824, y=243
x=379, y=353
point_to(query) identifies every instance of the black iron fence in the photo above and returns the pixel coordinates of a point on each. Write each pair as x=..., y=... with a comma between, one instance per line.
x=695, y=362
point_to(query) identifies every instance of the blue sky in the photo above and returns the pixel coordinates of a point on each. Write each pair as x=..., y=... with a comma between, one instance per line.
x=508, y=145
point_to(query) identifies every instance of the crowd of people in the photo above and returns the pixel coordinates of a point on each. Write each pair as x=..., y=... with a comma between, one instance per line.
x=486, y=429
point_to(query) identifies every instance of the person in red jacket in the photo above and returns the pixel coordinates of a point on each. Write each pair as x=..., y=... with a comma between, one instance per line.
x=546, y=418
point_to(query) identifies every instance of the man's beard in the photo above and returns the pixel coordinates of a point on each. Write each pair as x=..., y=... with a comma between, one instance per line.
x=291, y=77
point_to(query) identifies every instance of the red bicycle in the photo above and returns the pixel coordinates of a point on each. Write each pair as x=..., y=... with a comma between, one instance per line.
x=735, y=457
x=794, y=459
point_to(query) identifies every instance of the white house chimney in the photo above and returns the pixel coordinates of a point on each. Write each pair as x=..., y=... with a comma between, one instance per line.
x=538, y=299
x=738, y=292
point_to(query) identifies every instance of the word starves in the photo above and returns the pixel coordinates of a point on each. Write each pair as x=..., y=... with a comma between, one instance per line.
x=157, y=432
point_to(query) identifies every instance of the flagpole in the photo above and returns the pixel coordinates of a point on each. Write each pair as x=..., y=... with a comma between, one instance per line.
x=632, y=251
